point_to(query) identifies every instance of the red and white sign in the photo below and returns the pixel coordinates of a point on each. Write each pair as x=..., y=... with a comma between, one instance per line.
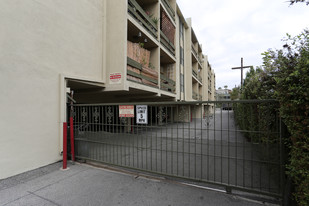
x=115, y=78
x=126, y=111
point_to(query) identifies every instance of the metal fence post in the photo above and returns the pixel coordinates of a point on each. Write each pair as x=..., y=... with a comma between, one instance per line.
x=72, y=139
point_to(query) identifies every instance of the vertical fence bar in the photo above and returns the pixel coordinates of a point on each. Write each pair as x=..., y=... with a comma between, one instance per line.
x=189, y=141
x=251, y=141
x=72, y=139
x=137, y=146
x=151, y=130
x=228, y=143
x=195, y=144
x=236, y=143
x=221, y=146
x=281, y=185
x=156, y=129
x=260, y=142
x=146, y=135
x=201, y=146
x=268, y=163
x=166, y=138
x=208, y=148
x=243, y=152
x=177, y=138
x=183, y=144
x=172, y=140
x=104, y=120
x=106, y=129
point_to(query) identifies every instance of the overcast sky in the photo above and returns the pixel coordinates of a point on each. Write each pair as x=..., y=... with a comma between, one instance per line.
x=231, y=29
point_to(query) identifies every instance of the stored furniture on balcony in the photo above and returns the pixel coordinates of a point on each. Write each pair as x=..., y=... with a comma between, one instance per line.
x=137, y=73
x=169, y=9
x=140, y=15
x=167, y=43
x=167, y=84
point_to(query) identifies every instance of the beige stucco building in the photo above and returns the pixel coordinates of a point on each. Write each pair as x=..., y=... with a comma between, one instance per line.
x=103, y=50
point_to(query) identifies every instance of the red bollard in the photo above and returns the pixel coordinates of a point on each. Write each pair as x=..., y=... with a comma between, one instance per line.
x=72, y=139
x=64, y=165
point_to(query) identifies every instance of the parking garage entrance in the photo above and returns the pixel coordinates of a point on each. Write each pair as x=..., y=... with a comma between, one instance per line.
x=239, y=149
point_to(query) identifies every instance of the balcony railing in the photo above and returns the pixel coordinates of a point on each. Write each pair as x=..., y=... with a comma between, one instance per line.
x=169, y=8
x=167, y=84
x=194, y=73
x=193, y=50
x=199, y=78
x=200, y=97
x=140, y=15
x=195, y=96
x=199, y=60
x=167, y=43
x=196, y=54
x=137, y=74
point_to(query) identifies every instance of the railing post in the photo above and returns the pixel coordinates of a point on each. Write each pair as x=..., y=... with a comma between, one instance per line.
x=72, y=139
x=64, y=153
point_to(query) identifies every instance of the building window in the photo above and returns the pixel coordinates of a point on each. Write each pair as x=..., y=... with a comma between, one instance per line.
x=182, y=84
x=181, y=56
x=181, y=30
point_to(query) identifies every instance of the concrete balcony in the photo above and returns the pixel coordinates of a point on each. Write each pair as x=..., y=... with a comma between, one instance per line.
x=137, y=12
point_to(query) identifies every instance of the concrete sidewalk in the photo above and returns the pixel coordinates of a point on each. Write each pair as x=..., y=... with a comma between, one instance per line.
x=84, y=185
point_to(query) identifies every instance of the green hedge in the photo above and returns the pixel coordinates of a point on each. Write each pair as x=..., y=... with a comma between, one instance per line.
x=285, y=77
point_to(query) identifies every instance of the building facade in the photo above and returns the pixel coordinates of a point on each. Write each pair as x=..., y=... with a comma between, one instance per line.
x=102, y=50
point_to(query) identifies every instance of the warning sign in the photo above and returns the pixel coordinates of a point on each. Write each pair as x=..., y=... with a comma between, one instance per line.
x=126, y=111
x=115, y=78
x=141, y=114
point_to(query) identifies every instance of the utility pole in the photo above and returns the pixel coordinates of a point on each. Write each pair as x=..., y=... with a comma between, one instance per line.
x=241, y=68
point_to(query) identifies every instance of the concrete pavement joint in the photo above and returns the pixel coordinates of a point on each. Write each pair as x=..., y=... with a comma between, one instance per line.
x=60, y=180
x=123, y=172
x=44, y=198
x=15, y=199
x=256, y=201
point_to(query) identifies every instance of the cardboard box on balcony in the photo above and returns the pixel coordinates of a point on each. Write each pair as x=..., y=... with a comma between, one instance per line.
x=130, y=52
x=151, y=77
x=137, y=53
x=133, y=69
x=149, y=83
x=129, y=77
x=144, y=57
x=151, y=72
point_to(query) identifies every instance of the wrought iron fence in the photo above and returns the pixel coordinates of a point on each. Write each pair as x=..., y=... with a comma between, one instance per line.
x=239, y=148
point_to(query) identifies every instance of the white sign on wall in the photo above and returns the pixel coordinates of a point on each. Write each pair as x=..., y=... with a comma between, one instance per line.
x=115, y=78
x=126, y=111
x=141, y=114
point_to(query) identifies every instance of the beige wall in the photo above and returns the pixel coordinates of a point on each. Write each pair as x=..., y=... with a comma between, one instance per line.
x=45, y=42
x=39, y=41
x=116, y=42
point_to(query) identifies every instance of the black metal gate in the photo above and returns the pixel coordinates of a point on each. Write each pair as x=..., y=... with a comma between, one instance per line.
x=238, y=147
